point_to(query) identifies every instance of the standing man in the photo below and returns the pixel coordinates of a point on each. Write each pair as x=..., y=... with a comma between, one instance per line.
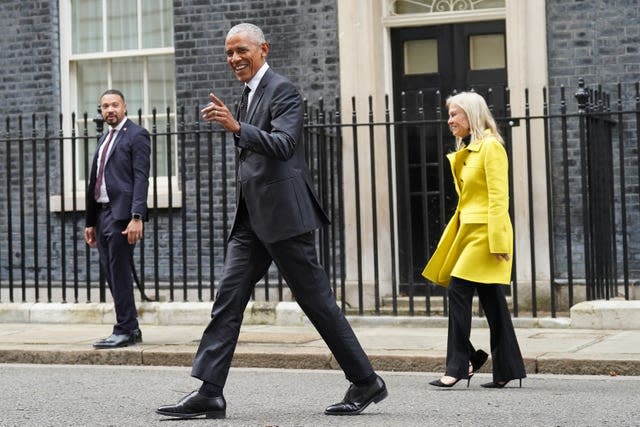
x=276, y=215
x=116, y=207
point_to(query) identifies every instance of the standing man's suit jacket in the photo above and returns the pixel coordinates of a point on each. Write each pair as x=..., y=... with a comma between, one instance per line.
x=126, y=174
x=273, y=178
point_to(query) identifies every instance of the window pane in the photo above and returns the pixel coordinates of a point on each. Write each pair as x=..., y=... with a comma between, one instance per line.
x=161, y=82
x=127, y=76
x=157, y=23
x=91, y=82
x=87, y=26
x=486, y=52
x=421, y=56
x=122, y=27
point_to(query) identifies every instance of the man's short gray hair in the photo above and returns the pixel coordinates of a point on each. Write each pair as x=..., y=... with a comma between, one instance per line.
x=255, y=33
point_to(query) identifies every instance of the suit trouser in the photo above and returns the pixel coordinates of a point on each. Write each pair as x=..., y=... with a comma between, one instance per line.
x=115, y=259
x=248, y=259
x=505, y=352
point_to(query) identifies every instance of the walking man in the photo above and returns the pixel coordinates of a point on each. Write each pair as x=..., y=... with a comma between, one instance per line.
x=276, y=215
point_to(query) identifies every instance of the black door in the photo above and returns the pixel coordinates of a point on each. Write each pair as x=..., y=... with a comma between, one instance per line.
x=429, y=64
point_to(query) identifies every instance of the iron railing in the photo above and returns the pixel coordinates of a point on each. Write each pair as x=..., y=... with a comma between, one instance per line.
x=591, y=170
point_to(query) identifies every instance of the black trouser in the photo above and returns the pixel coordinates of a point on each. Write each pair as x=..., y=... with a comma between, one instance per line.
x=505, y=352
x=115, y=258
x=247, y=261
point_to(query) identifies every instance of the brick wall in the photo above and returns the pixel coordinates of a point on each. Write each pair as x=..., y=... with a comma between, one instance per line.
x=302, y=33
x=30, y=59
x=599, y=41
x=304, y=44
x=304, y=47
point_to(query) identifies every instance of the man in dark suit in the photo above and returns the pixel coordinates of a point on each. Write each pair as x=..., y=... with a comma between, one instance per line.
x=116, y=206
x=275, y=219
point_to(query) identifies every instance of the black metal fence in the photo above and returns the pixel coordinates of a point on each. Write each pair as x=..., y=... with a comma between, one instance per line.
x=591, y=190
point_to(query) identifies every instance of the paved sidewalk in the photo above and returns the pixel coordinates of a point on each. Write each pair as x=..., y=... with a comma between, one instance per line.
x=391, y=346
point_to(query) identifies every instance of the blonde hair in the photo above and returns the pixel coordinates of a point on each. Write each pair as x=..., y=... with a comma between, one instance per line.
x=478, y=116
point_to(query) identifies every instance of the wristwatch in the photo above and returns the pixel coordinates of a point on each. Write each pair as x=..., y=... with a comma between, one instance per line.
x=136, y=216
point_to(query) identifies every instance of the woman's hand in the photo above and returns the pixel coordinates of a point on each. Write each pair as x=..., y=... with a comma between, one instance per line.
x=502, y=257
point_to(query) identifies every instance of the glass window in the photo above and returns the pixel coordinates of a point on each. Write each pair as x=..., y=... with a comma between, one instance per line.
x=421, y=56
x=126, y=45
x=122, y=28
x=160, y=70
x=87, y=24
x=435, y=6
x=157, y=27
x=90, y=83
x=127, y=74
x=487, y=52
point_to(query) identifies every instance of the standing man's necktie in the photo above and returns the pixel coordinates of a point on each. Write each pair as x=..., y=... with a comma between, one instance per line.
x=244, y=102
x=103, y=159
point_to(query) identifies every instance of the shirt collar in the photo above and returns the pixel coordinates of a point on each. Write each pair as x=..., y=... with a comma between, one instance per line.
x=255, y=81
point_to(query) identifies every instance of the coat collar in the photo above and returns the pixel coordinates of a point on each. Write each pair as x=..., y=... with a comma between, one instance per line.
x=477, y=143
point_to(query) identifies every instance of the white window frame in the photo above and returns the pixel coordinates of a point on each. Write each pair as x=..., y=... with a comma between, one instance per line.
x=69, y=93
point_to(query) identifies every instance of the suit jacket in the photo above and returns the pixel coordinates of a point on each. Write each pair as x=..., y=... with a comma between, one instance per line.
x=126, y=174
x=273, y=178
x=481, y=225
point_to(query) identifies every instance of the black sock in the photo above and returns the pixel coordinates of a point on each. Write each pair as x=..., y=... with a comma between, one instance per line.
x=367, y=381
x=210, y=389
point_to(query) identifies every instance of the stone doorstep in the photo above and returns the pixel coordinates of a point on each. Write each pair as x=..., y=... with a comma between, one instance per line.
x=606, y=314
x=612, y=314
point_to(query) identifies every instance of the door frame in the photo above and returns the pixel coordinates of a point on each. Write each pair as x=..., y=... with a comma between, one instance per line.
x=420, y=218
x=364, y=44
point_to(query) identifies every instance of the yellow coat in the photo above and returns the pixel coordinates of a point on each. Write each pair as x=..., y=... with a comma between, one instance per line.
x=480, y=225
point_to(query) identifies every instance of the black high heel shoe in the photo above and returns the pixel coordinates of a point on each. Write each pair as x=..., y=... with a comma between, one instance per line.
x=499, y=385
x=439, y=383
x=478, y=359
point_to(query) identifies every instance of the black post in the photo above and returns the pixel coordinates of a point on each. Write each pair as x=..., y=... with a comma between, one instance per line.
x=582, y=96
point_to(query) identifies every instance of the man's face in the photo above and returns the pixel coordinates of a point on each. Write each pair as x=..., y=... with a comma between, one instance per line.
x=113, y=109
x=244, y=56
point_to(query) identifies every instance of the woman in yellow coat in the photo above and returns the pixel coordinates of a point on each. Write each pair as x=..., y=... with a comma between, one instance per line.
x=475, y=250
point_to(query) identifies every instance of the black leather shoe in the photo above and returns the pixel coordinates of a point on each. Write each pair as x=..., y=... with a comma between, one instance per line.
x=119, y=340
x=358, y=398
x=194, y=405
x=136, y=334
